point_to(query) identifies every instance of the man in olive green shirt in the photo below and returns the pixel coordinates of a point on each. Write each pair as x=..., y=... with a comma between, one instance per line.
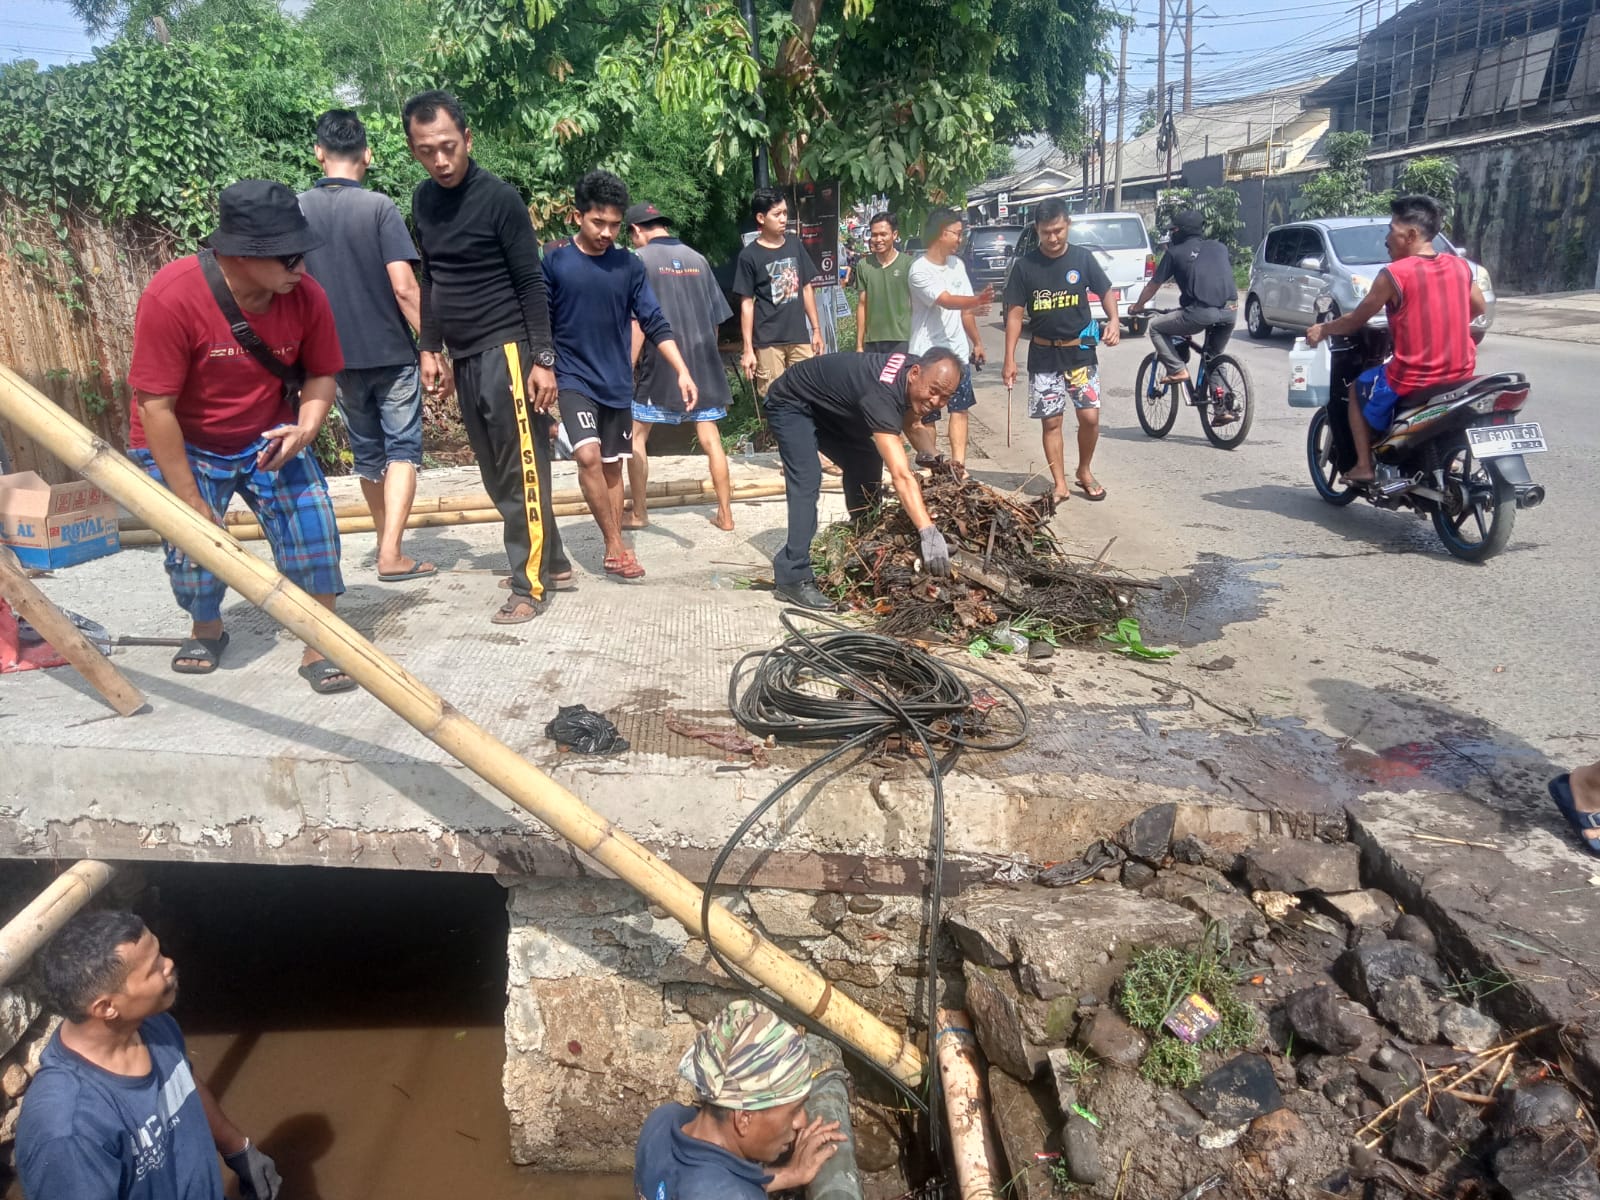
x=883, y=314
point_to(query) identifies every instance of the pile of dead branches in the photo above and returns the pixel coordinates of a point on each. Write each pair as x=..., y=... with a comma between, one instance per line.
x=1007, y=569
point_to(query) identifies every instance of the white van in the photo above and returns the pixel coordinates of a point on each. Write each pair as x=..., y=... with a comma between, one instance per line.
x=1119, y=240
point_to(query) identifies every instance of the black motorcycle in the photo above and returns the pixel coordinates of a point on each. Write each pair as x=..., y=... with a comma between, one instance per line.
x=1457, y=457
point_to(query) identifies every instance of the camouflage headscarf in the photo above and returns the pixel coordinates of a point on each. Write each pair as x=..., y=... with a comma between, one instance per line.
x=748, y=1059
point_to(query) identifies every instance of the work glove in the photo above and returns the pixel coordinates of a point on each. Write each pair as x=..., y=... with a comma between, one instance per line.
x=935, y=553
x=258, y=1175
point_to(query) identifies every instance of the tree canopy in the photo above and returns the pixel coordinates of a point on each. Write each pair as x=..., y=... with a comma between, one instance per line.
x=908, y=98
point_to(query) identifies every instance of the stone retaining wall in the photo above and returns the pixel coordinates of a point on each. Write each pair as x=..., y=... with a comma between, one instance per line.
x=605, y=992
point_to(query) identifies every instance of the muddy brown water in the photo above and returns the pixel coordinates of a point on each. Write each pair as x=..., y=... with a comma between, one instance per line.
x=350, y=1022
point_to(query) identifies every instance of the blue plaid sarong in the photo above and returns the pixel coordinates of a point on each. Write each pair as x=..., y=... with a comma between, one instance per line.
x=292, y=505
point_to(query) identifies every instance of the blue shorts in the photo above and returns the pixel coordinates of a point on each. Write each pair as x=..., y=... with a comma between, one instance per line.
x=1377, y=398
x=650, y=414
x=292, y=505
x=963, y=398
x=382, y=412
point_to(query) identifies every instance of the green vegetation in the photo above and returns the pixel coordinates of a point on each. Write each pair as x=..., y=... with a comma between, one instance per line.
x=898, y=96
x=1221, y=208
x=1343, y=191
x=1156, y=979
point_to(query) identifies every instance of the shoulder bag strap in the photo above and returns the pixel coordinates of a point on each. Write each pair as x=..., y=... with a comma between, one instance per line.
x=292, y=376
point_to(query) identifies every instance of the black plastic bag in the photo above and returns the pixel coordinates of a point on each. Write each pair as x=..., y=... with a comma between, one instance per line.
x=576, y=728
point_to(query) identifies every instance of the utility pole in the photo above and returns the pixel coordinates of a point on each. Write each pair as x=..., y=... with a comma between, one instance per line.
x=1188, y=55
x=1100, y=192
x=1088, y=136
x=1122, y=111
x=1161, y=51
x=758, y=158
x=1169, y=134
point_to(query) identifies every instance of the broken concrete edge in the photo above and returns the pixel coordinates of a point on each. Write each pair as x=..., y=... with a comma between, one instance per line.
x=312, y=824
x=1492, y=917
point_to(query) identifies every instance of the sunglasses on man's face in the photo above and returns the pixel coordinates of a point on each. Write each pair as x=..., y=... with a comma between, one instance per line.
x=291, y=261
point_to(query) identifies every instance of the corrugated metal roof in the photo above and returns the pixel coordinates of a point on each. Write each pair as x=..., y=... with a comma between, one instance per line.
x=1207, y=129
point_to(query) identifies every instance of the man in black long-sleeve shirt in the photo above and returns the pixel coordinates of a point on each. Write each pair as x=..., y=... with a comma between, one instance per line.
x=483, y=296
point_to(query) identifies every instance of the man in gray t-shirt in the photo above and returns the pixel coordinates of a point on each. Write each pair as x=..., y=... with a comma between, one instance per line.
x=694, y=306
x=365, y=265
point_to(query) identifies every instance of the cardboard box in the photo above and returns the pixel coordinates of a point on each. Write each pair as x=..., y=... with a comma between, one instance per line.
x=56, y=526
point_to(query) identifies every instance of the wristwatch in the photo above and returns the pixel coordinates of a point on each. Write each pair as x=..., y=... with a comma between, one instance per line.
x=545, y=358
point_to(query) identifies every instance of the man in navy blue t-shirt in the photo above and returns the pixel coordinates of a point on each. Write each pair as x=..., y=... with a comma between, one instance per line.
x=597, y=290
x=751, y=1074
x=115, y=1112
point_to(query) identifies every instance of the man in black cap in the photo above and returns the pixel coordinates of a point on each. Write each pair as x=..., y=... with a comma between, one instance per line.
x=483, y=296
x=853, y=408
x=234, y=358
x=694, y=306
x=1208, y=298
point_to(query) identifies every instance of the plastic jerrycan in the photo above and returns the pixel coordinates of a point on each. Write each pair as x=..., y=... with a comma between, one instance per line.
x=1310, y=374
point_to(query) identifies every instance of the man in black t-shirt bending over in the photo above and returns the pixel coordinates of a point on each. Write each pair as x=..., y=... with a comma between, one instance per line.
x=853, y=408
x=1054, y=285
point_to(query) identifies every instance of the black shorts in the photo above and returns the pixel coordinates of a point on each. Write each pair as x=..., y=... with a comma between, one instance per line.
x=587, y=420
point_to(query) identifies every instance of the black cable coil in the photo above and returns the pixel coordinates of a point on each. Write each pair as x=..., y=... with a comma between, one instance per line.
x=863, y=688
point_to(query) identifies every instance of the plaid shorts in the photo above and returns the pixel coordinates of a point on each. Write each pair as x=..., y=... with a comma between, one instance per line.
x=1050, y=391
x=294, y=510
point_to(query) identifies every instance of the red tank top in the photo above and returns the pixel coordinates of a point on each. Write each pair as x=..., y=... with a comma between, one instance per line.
x=1431, y=322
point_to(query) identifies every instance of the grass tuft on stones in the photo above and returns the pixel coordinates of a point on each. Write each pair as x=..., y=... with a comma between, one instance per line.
x=1156, y=979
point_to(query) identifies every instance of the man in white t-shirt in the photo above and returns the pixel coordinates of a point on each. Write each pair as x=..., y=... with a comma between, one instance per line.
x=944, y=313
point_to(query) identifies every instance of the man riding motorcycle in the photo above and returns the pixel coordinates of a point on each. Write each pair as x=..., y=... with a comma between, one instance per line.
x=1431, y=300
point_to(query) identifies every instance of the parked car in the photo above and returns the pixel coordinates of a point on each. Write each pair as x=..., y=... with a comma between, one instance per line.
x=989, y=251
x=1340, y=255
x=1119, y=240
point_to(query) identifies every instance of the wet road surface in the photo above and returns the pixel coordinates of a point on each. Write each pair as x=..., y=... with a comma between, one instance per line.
x=1354, y=621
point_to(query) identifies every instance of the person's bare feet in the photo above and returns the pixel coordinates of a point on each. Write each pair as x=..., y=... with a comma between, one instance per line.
x=723, y=520
x=630, y=521
x=1360, y=475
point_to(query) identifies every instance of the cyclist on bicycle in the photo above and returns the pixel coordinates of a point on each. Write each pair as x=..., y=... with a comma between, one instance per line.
x=1208, y=298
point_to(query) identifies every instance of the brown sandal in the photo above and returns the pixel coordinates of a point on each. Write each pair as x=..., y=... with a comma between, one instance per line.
x=512, y=611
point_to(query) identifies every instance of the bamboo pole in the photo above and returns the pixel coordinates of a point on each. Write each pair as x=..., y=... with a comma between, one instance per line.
x=249, y=531
x=491, y=760
x=48, y=912
x=68, y=641
x=473, y=501
x=966, y=1107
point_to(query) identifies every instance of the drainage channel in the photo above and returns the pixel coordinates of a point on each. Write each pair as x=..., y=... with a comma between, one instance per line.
x=353, y=1023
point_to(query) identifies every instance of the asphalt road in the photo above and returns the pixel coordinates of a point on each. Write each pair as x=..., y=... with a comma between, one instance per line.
x=1354, y=622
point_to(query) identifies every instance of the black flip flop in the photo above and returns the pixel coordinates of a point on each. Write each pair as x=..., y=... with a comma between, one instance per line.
x=1095, y=496
x=421, y=571
x=327, y=678
x=1560, y=789
x=205, y=650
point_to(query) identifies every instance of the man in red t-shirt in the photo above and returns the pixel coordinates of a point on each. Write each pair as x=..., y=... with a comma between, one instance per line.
x=1431, y=300
x=210, y=420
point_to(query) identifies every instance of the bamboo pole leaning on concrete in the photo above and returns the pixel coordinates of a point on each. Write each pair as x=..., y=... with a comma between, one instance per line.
x=65, y=637
x=966, y=1107
x=49, y=911
x=410, y=698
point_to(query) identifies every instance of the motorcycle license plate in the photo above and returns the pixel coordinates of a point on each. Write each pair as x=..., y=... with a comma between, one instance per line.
x=1491, y=441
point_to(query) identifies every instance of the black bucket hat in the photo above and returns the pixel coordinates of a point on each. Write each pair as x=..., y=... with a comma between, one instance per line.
x=258, y=218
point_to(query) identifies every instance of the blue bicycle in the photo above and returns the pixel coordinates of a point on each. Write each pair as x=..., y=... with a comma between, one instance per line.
x=1219, y=388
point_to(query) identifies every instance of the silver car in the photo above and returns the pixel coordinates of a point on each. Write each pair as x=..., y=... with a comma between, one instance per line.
x=1338, y=255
